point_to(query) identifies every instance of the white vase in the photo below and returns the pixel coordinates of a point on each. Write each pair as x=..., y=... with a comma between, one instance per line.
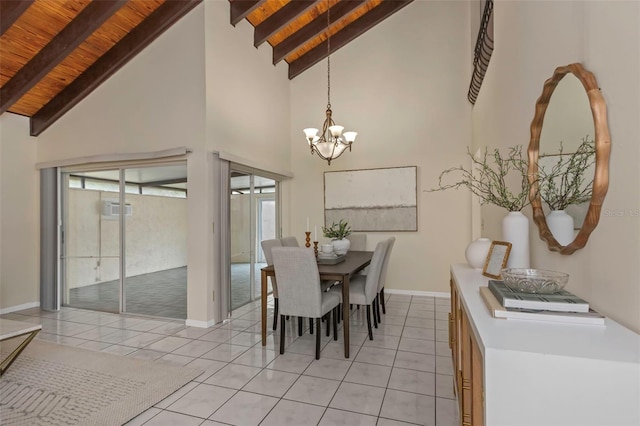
x=476, y=252
x=515, y=229
x=341, y=247
x=561, y=226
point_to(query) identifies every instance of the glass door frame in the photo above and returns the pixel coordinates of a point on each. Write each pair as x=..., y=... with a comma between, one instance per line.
x=63, y=196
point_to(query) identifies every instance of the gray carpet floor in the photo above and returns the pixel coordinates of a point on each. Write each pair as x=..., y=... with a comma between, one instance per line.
x=161, y=294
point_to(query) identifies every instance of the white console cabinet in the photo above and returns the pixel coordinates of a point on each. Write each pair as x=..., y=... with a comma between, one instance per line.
x=511, y=372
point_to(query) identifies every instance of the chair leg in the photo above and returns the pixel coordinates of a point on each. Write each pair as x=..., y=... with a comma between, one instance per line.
x=384, y=310
x=318, y=329
x=299, y=326
x=369, y=322
x=373, y=312
x=336, y=314
x=378, y=308
x=275, y=314
x=310, y=325
x=282, y=336
x=328, y=323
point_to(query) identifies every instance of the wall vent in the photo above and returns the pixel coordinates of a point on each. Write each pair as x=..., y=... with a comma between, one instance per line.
x=111, y=209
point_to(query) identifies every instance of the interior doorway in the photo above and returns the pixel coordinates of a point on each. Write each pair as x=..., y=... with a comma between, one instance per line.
x=253, y=218
x=130, y=259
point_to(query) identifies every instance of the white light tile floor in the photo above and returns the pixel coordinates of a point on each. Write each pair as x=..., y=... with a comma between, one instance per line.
x=402, y=377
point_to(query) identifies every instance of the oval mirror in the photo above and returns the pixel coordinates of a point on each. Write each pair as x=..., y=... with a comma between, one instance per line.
x=569, y=158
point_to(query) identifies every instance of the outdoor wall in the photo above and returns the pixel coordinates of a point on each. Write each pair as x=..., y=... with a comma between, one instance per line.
x=156, y=236
x=403, y=88
x=19, y=215
x=532, y=39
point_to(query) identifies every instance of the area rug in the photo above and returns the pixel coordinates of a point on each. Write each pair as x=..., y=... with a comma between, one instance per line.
x=52, y=384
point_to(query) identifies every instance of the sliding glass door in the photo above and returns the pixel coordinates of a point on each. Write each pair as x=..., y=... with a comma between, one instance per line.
x=253, y=219
x=124, y=240
x=90, y=262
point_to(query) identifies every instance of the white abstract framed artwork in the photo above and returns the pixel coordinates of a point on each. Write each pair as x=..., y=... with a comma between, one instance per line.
x=372, y=199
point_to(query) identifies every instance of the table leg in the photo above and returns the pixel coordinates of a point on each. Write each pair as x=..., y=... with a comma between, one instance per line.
x=345, y=313
x=17, y=351
x=263, y=298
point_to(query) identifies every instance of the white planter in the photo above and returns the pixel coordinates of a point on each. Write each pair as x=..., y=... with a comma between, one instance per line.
x=341, y=246
x=561, y=226
x=515, y=229
x=476, y=252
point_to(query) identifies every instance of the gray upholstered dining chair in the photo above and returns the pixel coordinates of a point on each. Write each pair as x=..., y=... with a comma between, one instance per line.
x=289, y=242
x=299, y=290
x=364, y=288
x=383, y=279
x=267, y=246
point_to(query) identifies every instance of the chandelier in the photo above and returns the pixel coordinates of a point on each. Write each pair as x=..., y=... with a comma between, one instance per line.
x=332, y=142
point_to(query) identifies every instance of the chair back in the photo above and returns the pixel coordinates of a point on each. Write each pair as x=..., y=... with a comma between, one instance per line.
x=298, y=279
x=289, y=242
x=267, y=246
x=358, y=242
x=385, y=264
x=375, y=270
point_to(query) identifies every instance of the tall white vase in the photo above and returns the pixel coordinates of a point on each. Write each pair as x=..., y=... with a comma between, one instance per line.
x=476, y=252
x=515, y=229
x=561, y=226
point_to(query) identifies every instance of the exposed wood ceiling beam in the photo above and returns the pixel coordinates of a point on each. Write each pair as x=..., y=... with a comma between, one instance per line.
x=10, y=11
x=121, y=53
x=280, y=19
x=313, y=29
x=65, y=42
x=240, y=9
x=347, y=34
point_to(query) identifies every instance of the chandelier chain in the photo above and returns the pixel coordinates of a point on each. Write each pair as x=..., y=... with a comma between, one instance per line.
x=328, y=57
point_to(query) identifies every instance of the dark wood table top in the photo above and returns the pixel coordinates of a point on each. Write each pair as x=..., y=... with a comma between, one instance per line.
x=353, y=262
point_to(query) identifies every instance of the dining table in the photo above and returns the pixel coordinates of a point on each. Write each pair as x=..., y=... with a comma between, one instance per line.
x=354, y=262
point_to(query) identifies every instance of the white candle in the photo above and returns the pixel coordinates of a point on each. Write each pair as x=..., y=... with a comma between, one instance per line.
x=315, y=233
x=307, y=224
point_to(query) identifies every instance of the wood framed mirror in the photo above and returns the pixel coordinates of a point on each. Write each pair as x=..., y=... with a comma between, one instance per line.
x=602, y=148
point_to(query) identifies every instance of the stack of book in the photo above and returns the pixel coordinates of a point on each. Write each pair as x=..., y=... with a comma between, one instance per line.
x=561, y=307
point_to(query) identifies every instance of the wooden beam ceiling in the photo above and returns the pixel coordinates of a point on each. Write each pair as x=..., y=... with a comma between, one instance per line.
x=53, y=53
x=71, y=36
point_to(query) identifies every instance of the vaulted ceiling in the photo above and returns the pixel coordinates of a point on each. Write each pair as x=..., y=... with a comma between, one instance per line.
x=53, y=53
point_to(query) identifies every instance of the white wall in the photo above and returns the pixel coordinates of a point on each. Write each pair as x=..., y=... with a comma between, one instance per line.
x=532, y=39
x=403, y=88
x=155, y=102
x=19, y=214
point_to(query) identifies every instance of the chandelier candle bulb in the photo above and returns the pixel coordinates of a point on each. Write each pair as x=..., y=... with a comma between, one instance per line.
x=307, y=224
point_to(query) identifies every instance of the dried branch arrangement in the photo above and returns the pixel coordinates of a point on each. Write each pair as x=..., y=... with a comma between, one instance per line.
x=488, y=178
x=563, y=183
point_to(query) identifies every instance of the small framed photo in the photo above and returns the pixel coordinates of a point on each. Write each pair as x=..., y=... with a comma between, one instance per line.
x=496, y=259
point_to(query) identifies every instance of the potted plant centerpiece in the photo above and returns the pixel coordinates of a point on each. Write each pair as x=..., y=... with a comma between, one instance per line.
x=338, y=232
x=562, y=183
x=502, y=180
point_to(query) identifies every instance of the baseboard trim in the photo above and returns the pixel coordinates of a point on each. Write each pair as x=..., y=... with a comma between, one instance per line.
x=418, y=293
x=19, y=307
x=200, y=324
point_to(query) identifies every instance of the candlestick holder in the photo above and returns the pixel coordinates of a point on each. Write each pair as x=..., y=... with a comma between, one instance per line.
x=308, y=239
x=315, y=248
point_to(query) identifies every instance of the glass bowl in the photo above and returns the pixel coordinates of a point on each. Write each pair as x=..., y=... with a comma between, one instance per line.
x=536, y=281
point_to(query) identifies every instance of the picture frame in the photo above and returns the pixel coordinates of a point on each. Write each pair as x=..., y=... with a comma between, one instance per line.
x=496, y=259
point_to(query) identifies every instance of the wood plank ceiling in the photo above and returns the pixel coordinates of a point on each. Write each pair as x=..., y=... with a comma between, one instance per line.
x=53, y=53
